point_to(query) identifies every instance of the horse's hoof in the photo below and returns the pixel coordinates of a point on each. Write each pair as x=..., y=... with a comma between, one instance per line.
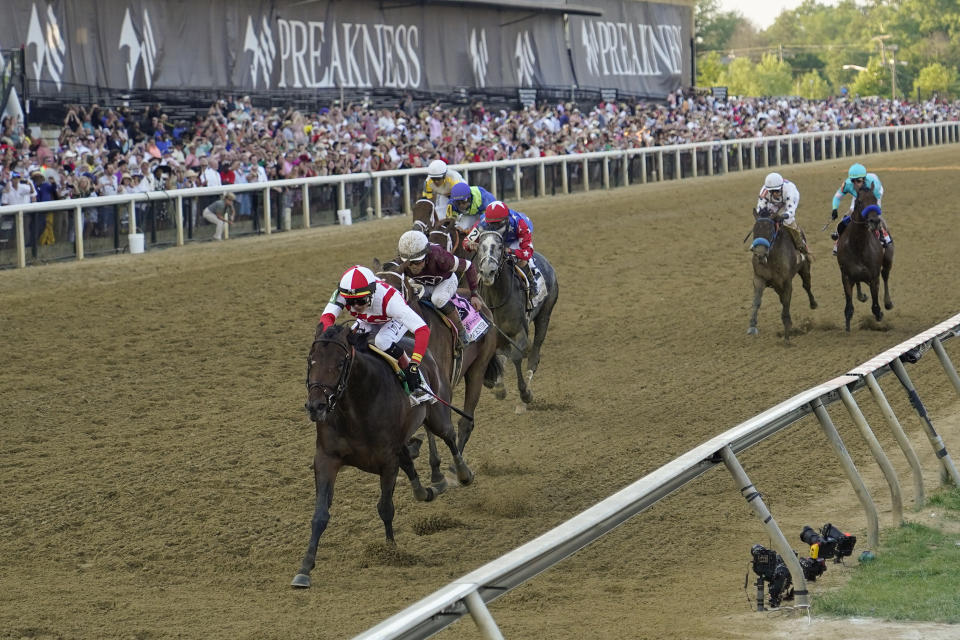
x=753, y=331
x=439, y=486
x=520, y=409
x=500, y=394
x=888, y=305
x=813, y=304
x=420, y=494
x=465, y=476
x=301, y=581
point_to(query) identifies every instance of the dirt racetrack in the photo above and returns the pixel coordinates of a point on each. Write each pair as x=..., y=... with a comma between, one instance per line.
x=154, y=466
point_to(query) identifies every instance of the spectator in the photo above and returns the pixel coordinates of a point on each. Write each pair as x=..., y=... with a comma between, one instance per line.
x=220, y=213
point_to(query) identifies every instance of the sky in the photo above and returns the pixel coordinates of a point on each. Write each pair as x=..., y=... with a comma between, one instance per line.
x=761, y=12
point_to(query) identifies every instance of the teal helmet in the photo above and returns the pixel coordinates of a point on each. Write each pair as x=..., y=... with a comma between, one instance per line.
x=857, y=171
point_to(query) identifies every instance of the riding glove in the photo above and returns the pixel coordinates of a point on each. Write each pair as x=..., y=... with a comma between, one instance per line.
x=412, y=375
x=833, y=214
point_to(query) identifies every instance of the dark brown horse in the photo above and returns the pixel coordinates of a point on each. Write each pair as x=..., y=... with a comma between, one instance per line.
x=862, y=257
x=476, y=365
x=505, y=294
x=364, y=420
x=438, y=228
x=775, y=262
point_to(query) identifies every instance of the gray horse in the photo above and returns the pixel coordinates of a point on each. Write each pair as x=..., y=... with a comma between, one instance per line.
x=505, y=294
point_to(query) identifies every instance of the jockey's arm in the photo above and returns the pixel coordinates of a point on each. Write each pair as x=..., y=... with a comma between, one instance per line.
x=428, y=192
x=331, y=311
x=401, y=311
x=838, y=196
x=470, y=242
x=525, y=249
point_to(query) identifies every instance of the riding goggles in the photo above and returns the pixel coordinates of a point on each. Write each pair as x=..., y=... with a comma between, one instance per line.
x=358, y=302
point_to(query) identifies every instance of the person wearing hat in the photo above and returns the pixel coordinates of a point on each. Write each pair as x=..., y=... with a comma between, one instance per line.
x=17, y=191
x=220, y=214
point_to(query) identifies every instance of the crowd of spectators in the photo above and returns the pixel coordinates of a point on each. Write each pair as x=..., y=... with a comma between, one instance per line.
x=105, y=151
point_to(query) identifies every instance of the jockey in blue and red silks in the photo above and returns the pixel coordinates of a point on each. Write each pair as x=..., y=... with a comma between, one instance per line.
x=517, y=232
x=380, y=310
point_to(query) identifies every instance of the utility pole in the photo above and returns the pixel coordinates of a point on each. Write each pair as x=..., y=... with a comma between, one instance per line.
x=893, y=70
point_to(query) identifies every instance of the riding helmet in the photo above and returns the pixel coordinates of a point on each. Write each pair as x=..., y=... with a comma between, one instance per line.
x=413, y=245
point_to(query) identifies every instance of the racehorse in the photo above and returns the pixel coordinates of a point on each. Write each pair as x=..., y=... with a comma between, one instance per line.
x=775, y=262
x=505, y=294
x=364, y=420
x=476, y=364
x=862, y=257
x=438, y=228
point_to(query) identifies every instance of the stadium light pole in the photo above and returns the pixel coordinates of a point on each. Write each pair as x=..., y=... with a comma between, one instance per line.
x=893, y=70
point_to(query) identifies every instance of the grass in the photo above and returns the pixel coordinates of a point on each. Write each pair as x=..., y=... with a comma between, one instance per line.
x=915, y=576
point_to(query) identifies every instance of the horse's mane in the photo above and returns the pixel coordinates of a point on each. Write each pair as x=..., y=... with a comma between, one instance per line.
x=335, y=333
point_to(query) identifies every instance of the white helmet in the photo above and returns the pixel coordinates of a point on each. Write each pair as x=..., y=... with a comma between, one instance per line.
x=773, y=182
x=413, y=245
x=437, y=169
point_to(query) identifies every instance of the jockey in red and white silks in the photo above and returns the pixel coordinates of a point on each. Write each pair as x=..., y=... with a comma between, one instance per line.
x=780, y=197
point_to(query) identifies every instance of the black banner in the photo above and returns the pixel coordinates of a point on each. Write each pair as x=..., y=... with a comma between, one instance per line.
x=244, y=45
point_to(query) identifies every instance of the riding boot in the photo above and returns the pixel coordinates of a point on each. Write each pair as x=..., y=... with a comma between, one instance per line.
x=534, y=288
x=450, y=311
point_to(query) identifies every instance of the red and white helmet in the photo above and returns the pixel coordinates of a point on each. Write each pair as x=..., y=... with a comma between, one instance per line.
x=357, y=282
x=496, y=212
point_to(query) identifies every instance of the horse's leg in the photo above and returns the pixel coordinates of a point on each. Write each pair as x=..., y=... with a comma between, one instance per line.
x=875, y=296
x=438, y=423
x=785, y=295
x=540, y=325
x=807, y=282
x=861, y=296
x=472, y=385
x=499, y=388
x=526, y=395
x=848, y=295
x=437, y=479
x=885, y=273
x=388, y=482
x=758, y=286
x=419, y=492
x=324, y=475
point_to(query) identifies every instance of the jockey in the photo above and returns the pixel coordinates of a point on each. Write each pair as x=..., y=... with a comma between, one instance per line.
x=857, y=177
x=517, y=232
x=440, y=181
x=382, y=311
x=467, y=204
x=438, y=271
x=781, y=197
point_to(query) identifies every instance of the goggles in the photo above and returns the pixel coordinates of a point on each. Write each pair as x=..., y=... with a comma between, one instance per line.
x=358, y=302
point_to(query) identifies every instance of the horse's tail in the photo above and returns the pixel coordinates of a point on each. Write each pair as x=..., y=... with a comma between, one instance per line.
x=493, y=372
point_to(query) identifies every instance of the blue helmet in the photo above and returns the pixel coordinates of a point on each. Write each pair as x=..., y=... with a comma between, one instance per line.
x=460, y=191
x=857, y=171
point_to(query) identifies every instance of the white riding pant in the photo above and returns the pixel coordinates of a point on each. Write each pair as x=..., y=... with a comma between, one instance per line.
x=212, y=218
x=440, y=294
x=386, y=334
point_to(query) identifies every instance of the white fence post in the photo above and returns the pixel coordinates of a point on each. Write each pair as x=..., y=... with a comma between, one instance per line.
x=78, y=230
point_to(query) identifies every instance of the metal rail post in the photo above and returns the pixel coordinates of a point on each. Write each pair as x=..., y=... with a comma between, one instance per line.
x=78, y=230
x=516, y=181
x=481, y=616
x=564, y=179
x=677, y=168
x=710, y=160
x=267, y=224
x=643, y=168
x=947, y=364
x=659, y=166
x=21, y=244
x=341, y=195
x=541, y=180
x=493, y=180
x=586, y=175
x=779, y=541
x=948, y=470
x=306, y=206
x=888, y=471
x=625, y=169
x=606, y=172
x=901, y=438
x=407, y=209
x=873, y=520
x=178, y=215
x=693, y=163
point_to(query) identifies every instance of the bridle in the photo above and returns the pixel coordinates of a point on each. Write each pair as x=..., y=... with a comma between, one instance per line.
x=332, y=393
x=498, y=260
x=763, y=241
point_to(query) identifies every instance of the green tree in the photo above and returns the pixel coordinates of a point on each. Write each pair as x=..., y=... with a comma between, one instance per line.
x=875, y=81
x=773, y=76
x=811, y=85
x=709, y=68
x=739, y=79
x=935, y=77
x=714, y=27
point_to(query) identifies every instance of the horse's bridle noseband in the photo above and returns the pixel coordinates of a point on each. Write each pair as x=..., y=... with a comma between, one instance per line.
x=764, y=241
x=332, y=394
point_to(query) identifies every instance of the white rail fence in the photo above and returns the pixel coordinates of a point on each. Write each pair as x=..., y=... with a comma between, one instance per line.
x=471, y=593
x=168, y=218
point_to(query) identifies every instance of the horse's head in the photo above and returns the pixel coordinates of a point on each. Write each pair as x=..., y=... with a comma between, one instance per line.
x=866, y=209
x=328, y=367
x=765, y=229
x=392, y=273
x=424, y=215
x=489, y=257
